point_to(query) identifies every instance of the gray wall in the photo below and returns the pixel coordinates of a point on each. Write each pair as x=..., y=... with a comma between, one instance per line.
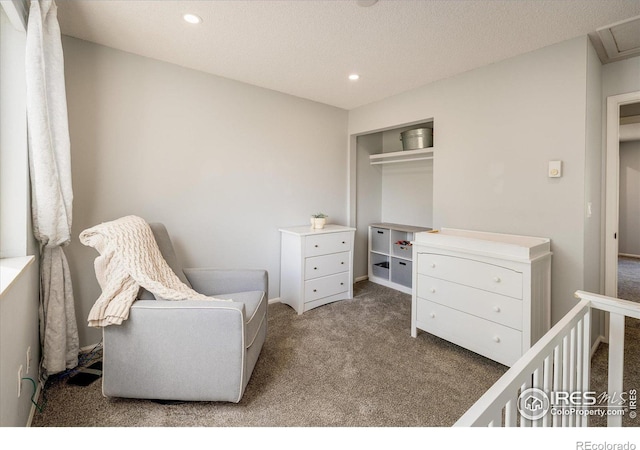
x=19, y=302
x=403, y=183
x=619, y=78
x=223, y=164
x=629, y=222
x=497, y=128
x=369, y=198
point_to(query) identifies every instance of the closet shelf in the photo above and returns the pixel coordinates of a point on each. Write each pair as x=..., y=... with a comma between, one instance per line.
x=402, y=156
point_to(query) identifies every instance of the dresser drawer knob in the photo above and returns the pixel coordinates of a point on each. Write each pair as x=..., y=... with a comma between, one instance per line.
x=433, y=315
x=496, y=339
x=316, y=246
x=315, y=290
x=344, y=242
x=433, y=290
x=342, y=262
x=496, y=308
x=315, y=268
x=433, y=265
x=497, y=279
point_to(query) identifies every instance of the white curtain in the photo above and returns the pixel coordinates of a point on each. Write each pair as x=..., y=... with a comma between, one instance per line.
x=51, y=193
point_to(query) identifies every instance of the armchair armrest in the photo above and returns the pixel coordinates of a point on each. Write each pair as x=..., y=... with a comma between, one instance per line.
x=210, y=281
x=183, y=350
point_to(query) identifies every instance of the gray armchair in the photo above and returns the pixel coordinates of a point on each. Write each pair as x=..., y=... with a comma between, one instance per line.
x=189, y=350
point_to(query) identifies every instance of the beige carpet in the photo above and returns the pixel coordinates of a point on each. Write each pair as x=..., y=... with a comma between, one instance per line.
x=629, y=278
x=348, y=364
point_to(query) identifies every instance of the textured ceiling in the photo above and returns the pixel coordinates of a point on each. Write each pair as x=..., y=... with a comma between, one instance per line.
x=308, y=48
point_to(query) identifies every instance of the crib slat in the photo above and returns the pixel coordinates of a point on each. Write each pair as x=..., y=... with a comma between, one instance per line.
x=557, y=377
x=565, y=373
x=546, y=385
x=571, y=420
x=537, y=383
x=524, y=422
x=510, y=417
x=616, y=362
x=580, y=349
x=586, y=360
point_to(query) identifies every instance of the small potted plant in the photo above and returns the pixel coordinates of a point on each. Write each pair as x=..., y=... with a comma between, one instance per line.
x=318, y=220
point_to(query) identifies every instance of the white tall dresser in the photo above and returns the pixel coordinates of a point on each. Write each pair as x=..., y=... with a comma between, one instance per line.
x=487, y=292
x=316, y=266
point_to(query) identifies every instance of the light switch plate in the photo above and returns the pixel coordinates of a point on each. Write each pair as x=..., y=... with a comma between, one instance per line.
x=555, y=169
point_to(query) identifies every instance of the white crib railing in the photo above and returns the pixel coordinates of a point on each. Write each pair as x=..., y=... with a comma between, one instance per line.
x=557, y=365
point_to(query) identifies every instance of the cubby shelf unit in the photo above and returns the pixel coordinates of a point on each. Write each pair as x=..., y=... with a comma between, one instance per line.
x=390, y=264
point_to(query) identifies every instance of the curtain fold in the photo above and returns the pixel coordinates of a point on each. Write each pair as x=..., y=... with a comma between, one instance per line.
x=51, y=190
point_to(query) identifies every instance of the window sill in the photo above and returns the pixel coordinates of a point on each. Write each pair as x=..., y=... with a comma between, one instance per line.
x=11, y=269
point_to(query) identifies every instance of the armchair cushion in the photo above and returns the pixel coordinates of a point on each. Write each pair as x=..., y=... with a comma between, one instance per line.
x=219, y=282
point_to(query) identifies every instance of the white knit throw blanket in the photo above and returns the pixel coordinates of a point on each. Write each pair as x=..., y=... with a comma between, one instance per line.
x=129, y=258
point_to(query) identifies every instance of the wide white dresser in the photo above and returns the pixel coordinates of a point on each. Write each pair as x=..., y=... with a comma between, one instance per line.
x=487, y=292
x=316, y=266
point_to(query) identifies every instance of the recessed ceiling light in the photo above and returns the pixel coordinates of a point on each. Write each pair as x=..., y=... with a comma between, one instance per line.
x=192, y=18
x=354, y=77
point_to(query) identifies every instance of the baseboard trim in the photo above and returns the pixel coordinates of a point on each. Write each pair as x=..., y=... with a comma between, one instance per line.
x=629, y=255
x=274, y=300
x=362, y=278
x=36, y=396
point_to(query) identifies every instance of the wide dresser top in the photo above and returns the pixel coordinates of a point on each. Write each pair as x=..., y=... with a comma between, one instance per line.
x=305, y=230
x=509, y=246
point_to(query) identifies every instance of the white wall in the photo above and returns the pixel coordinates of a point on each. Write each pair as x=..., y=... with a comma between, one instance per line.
x=593, y=173
x=14, y=165
x=594, y=196
x=369, y=198
x=223, y=164
x=620, y=77
x=629, y=221
x=403, y=183
x=19, y=303
x=497, y=128
x=18, y=332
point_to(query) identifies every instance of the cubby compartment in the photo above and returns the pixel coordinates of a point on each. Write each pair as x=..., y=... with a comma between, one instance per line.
x=380, y=266
x=380, y=240
x=401, y=272
x=401, y=243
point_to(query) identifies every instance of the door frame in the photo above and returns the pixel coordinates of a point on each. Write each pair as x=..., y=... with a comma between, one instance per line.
x=612, y=195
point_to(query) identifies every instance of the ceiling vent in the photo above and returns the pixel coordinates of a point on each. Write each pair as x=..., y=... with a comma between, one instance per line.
x=620, y=40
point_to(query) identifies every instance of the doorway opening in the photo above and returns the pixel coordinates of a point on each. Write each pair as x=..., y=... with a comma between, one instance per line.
x=622, y=227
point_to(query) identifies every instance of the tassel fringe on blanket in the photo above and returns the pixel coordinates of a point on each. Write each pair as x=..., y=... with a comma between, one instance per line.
x=130, y=259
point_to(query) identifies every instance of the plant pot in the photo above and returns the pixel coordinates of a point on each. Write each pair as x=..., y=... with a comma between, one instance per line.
x=318, y=223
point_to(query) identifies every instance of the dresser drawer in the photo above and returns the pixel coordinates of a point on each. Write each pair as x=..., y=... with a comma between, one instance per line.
x=472, y=273
x=321, y=266
x=326, y=286
x=323, y=244
x=487, y=305
x=497, y=342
